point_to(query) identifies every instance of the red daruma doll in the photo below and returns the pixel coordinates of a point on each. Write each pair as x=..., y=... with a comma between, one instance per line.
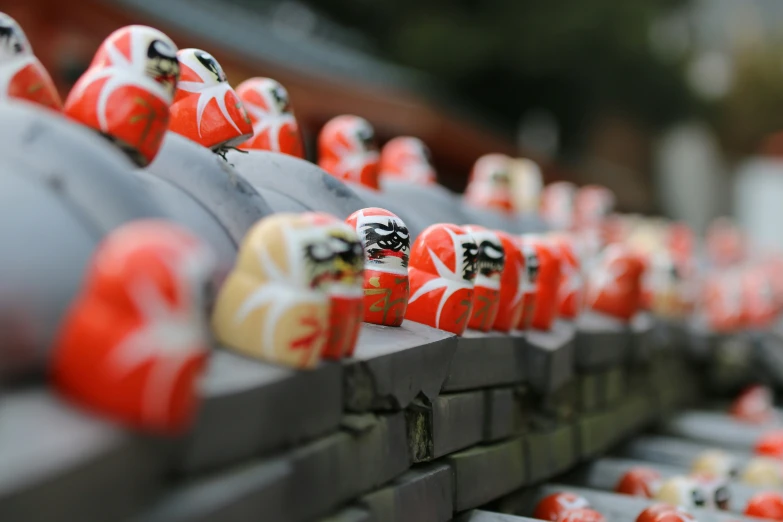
x=512, y=285
x=614, y=286
x=407, y=159
x=134, y=343
x=529, y=254
x=387, y=247
x=548, y=284
x=346, y=256
x=489, y=185
x=566, y=507
x=126, y=92
x=347, y=150
x=570, y=294
x=274, y=125
x=206, y=109
x=486, y=292
x=21, y=74
x=444, y=260
x=639, y=482
x=664, y=513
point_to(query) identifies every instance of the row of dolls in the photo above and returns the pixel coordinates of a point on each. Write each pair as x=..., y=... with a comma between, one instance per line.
x=302, y=284
x=705, y=482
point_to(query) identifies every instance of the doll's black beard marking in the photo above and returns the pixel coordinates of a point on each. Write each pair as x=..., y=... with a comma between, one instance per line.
x=471, y=261
x=490, y=265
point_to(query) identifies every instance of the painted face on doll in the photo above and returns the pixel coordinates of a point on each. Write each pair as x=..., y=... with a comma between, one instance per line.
x=206, y=109
x=337, y=267
x=386, y=243
x=490, y=265
x=13, y=41
x=348, y=151
x=133, y=345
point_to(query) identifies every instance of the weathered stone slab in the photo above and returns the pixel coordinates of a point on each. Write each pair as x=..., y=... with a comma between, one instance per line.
x=502, y=415
x=484, y=473
x=714, y=428
x=598, y=432
x=449, y=423
x=643, y=339
x=476, y=515
x=591, y=386
x=251, y=408
x=391, y=366
x=601, y=341
x=254, y=491
x=550, y=360
x=486, y=359
x=672, y=451
x=551, y=453
x=333, y=470
x=423, y=494
x=613, y=386
x=300, y=180
x=351, y=514
x=58, y=463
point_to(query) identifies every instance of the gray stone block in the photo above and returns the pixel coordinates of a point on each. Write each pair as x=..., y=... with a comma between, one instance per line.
x=591, y=386
x=476, y=515
x=713, y=428
x=550, y=357
x=623, y=508
x=601, y=341
x=295, y=178
x=333, y=470
x=672, y=451
x=485, y=360
x=254, y=491
x=732, y=364
x=251, y=408
x=423, y=494
x=613, y=386
x=643, y=338
x=485, y=473
x=391, y=366
x=350, y=514
x=222, y=190
x=551, y=452
x=449, y=423
x=635, y=413
x=597, y=432
x=58, y=463
x=502, y=415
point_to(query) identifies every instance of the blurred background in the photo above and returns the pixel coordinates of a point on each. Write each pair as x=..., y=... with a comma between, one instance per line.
x=675, y=104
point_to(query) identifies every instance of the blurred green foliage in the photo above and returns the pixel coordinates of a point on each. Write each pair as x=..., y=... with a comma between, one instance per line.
x=576, y=58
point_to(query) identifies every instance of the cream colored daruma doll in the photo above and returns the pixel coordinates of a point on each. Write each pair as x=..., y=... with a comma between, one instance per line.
x=274, y=306
x=343, y=283
x=387, y=249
